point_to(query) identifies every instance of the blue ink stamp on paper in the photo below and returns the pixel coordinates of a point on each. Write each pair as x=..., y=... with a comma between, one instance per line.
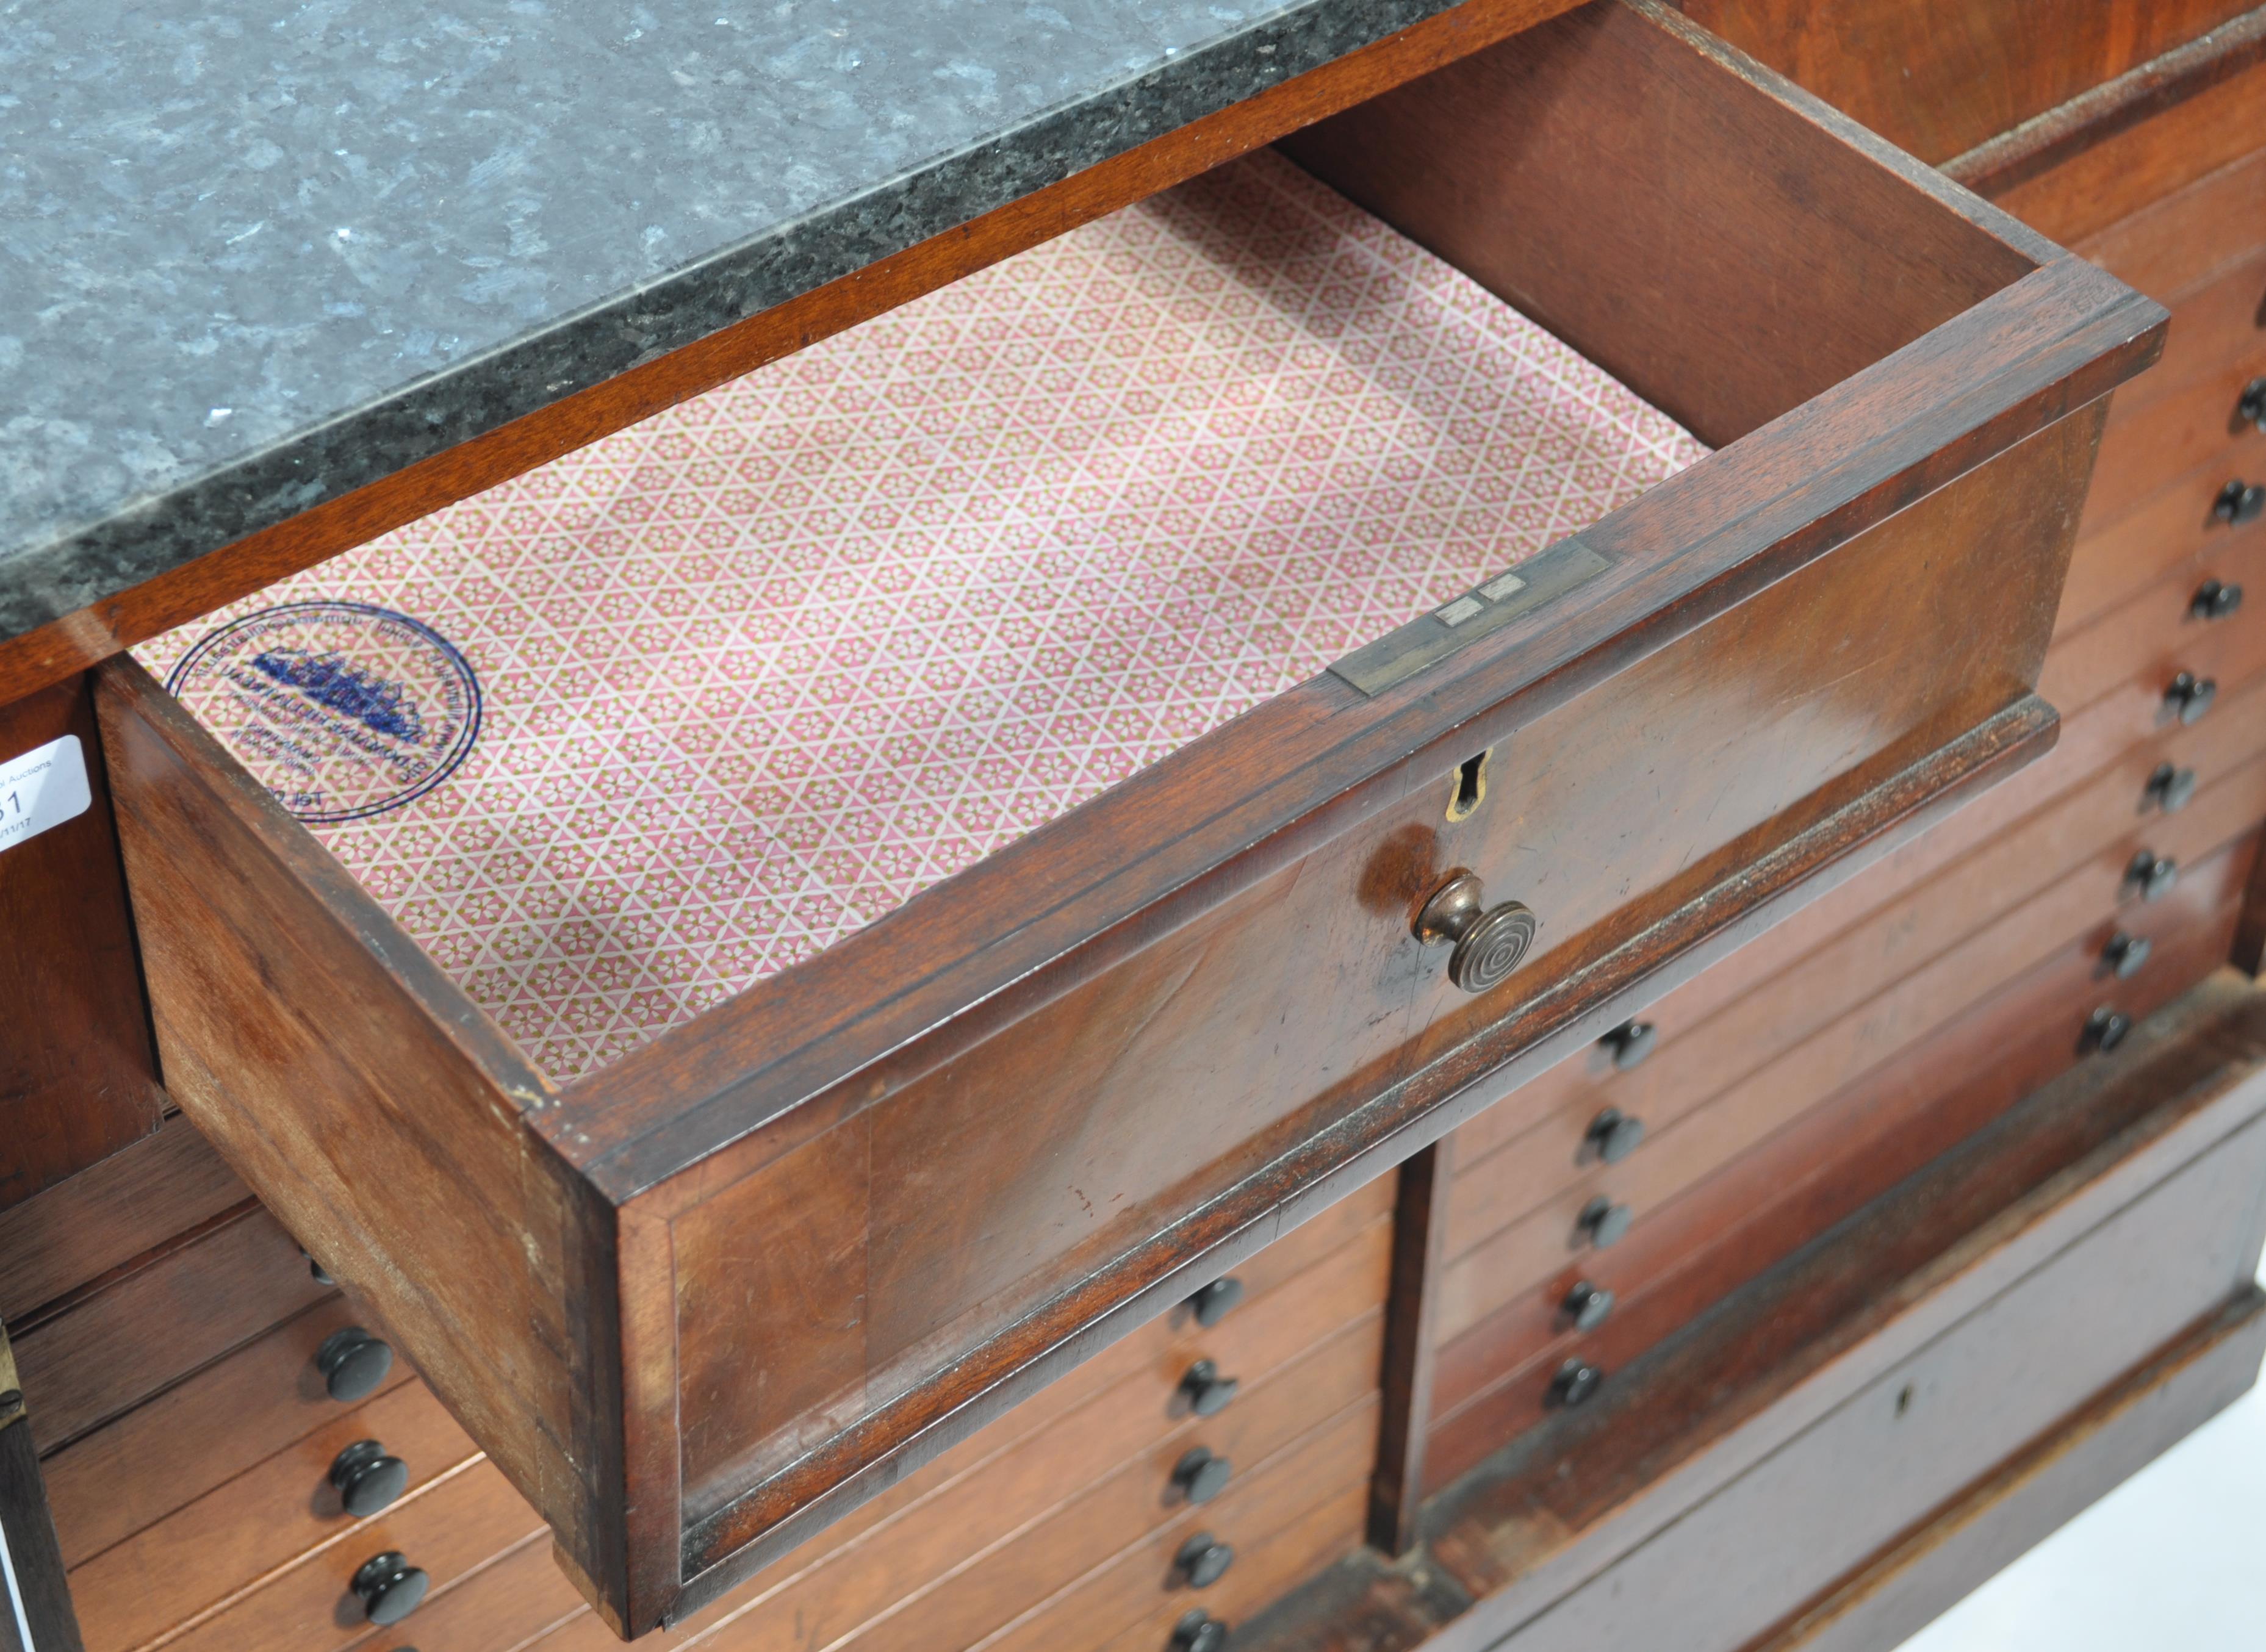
x=342, y=710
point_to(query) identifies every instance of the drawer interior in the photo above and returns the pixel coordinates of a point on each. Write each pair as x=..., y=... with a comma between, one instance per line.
x=910, y=904
x=621, y=738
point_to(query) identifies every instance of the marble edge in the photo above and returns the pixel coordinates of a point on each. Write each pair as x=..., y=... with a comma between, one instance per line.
x=105, y=557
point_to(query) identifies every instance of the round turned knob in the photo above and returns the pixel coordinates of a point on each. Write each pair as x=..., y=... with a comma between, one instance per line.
x=2190, y=696
x=1198, y=1632
x=1207, y=1390
x=389, y=1587
x=352, y=1362
x=1586, y=1305
x=2153, y=876
x=2239, y=501
x=1202, y=1560
x=1210, y=1304
x=368, y=1478
x=1489, y=941
x=1200, y=1476
x=2124, y=954
x=1629, y=1043
x=1603, y=1223
x=1613, y=1135
x=1574, y=1383
x=2104, y=1029
x=2170, y=787
x=2215, y=599
x=2251, y=405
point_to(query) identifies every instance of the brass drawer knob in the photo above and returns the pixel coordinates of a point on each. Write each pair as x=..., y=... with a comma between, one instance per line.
x=1202, y=1560
x=1210, y=1304
x=1207, y=1390
x=1489, y=941
x=2170, y=788
x=2216, y=599
x=368, y=1478
x=2152, y=875
x=2104, y=1029
x=2239, y=501
x=2251, y=405
x=388, y=1587
x=1575, y=1384
x=1614, y=1135
x=1198, y=1632
x=2124, y=954
x=1587, y=1307
x=1603, y=1223
x=2190, y=697
x=1200, y=1476
x=352, y=1362
x=1629, y=1043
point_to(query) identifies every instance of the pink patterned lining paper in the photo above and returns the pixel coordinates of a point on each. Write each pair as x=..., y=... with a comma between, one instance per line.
x=762, y=668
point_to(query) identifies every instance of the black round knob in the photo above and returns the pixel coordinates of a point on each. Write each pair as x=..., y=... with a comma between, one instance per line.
x=2190, y=696
x=1586, y=1305
x=1210, y=1304
x=1200, y=1476
x=368, y=1478
x=2239, y=501
x=352, y=1362
x=1613, y=1135
x=1630, y=1043
x=389, y=1587
x=2251, y=405
x=1603, y=1223
x=2104, y=1029
x=2126, y=953
x=1489, y=941
x=1198, y=1632
x=2170, y=788
x=2153, y=876
x=1207, y=1390
x=1574, y=1383
x=1202, y=1560
x=2216, y=599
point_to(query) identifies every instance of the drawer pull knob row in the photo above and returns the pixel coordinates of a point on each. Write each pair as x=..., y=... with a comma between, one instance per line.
x=1575, y=1384
x=2170, y=788
x=1203, y=1560
x=1629, y=1043
x=2126, y=953
x=1198, y=1632
x=1207, y=1390
x=352, y=1362
x=1210, y=1304
x=2153, y=876
x=1603, y=1223
x=1614, y=1135
x=1200, y=1475
x=2239, y=501
x=2215, y=599
x=1587, y=1307
x=2251, y=406
x=389, y=1587
x=2104, y=1029
x=369, y=1478
x=1489, y=941
x=2190, y=696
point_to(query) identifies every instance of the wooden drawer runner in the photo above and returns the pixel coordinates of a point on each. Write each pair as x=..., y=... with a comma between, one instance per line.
x=941, y=1162
x=1754, y=1482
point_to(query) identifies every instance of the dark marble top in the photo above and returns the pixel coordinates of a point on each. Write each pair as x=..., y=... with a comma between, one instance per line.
x=253, y=256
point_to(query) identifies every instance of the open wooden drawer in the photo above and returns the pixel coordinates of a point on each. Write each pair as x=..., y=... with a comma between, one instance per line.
x=703, y=1299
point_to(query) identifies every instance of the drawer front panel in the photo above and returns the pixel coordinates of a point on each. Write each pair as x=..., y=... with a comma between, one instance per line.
x=2179, y=242
x=2158, y=634
x=2191, y=427
x=1493, y=1379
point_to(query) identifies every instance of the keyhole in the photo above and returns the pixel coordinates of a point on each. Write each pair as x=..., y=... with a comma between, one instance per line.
x=1470, y=786
x=1904, y=1400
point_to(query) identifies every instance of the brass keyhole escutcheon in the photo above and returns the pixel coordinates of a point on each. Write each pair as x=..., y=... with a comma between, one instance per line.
x=1489, y=941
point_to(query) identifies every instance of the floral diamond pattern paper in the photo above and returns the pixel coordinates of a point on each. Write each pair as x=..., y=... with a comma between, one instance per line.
x=761, y=669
